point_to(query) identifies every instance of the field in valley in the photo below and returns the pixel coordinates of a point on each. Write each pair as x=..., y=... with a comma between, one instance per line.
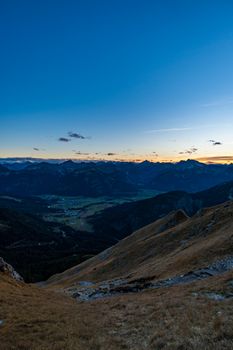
x=75, y=211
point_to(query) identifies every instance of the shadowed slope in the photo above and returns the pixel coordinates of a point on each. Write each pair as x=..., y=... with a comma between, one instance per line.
x=173, y=245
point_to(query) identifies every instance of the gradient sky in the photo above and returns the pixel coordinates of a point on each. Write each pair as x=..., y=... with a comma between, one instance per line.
x=138, y=79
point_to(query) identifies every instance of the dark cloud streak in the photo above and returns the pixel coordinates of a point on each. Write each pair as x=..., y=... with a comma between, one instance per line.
x=77, y=136
x=215, y=143
x=189, y=151
x=64, y=139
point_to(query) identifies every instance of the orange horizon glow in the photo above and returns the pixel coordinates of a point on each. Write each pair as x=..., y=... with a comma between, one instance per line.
x=124, y=158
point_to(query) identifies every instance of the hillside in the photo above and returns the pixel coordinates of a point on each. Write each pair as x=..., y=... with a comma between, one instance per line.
x=167, y=286
x=38, y=249
x=168, y=248
x=169, y=318
x=126, y=218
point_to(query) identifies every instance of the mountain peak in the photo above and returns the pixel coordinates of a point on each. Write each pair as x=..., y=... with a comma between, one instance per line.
x=68, y=162
x=190, y=163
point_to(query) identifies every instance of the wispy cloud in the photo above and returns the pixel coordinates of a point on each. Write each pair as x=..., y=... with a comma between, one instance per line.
x=36, y=149
x=216, y=159
x=168, y=130
x=177, y=129
x=80, y=153
x=219, y=103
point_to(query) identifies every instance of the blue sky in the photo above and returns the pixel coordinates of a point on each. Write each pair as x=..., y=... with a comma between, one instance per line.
x=138, y=79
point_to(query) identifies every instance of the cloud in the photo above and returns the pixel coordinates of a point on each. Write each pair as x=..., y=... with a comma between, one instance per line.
x=77, y=136
x=168, y=130
x=218, y=103
x=111, y=154
x=36, y=149
x=155, y=154
x=180, y=129
x=215, y=143
x=81, y=153
x=64, y=139
x=216, y=159
x=189, y=151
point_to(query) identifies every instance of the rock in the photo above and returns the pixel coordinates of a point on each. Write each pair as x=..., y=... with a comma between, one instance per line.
x=85, y=283
x=215, y=296
x=9, y=270
x=87, y=291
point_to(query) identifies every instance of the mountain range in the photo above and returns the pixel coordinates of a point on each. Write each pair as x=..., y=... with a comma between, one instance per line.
x=108, y=178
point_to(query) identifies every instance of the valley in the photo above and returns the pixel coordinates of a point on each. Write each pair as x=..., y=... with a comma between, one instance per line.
x=76, y=210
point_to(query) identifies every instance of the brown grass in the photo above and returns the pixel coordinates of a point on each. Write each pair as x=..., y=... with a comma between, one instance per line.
x=169, y=318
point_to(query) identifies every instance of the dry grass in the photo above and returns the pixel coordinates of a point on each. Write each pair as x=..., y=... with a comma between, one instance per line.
x=169, y=318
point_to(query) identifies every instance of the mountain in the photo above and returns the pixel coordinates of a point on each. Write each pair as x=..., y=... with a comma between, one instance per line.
x=16, y=165
x=190, y=164
x=109, y=178
x=3, y=169
x=65, y=179
x=192, y=177
x=167, y=286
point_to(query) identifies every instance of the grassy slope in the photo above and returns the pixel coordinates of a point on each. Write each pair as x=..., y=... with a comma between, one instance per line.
x=173, y=245
x=169, y=318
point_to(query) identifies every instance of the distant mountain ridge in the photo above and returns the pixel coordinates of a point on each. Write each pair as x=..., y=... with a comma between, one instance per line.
x=109, y=178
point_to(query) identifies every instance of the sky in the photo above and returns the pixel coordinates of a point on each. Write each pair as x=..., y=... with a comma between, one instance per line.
x=117, y=80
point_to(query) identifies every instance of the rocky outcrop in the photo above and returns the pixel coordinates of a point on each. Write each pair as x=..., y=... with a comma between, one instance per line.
x=86, y=291
x=9, y=270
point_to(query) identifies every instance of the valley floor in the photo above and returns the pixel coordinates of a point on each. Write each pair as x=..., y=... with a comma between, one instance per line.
x=178, y=317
